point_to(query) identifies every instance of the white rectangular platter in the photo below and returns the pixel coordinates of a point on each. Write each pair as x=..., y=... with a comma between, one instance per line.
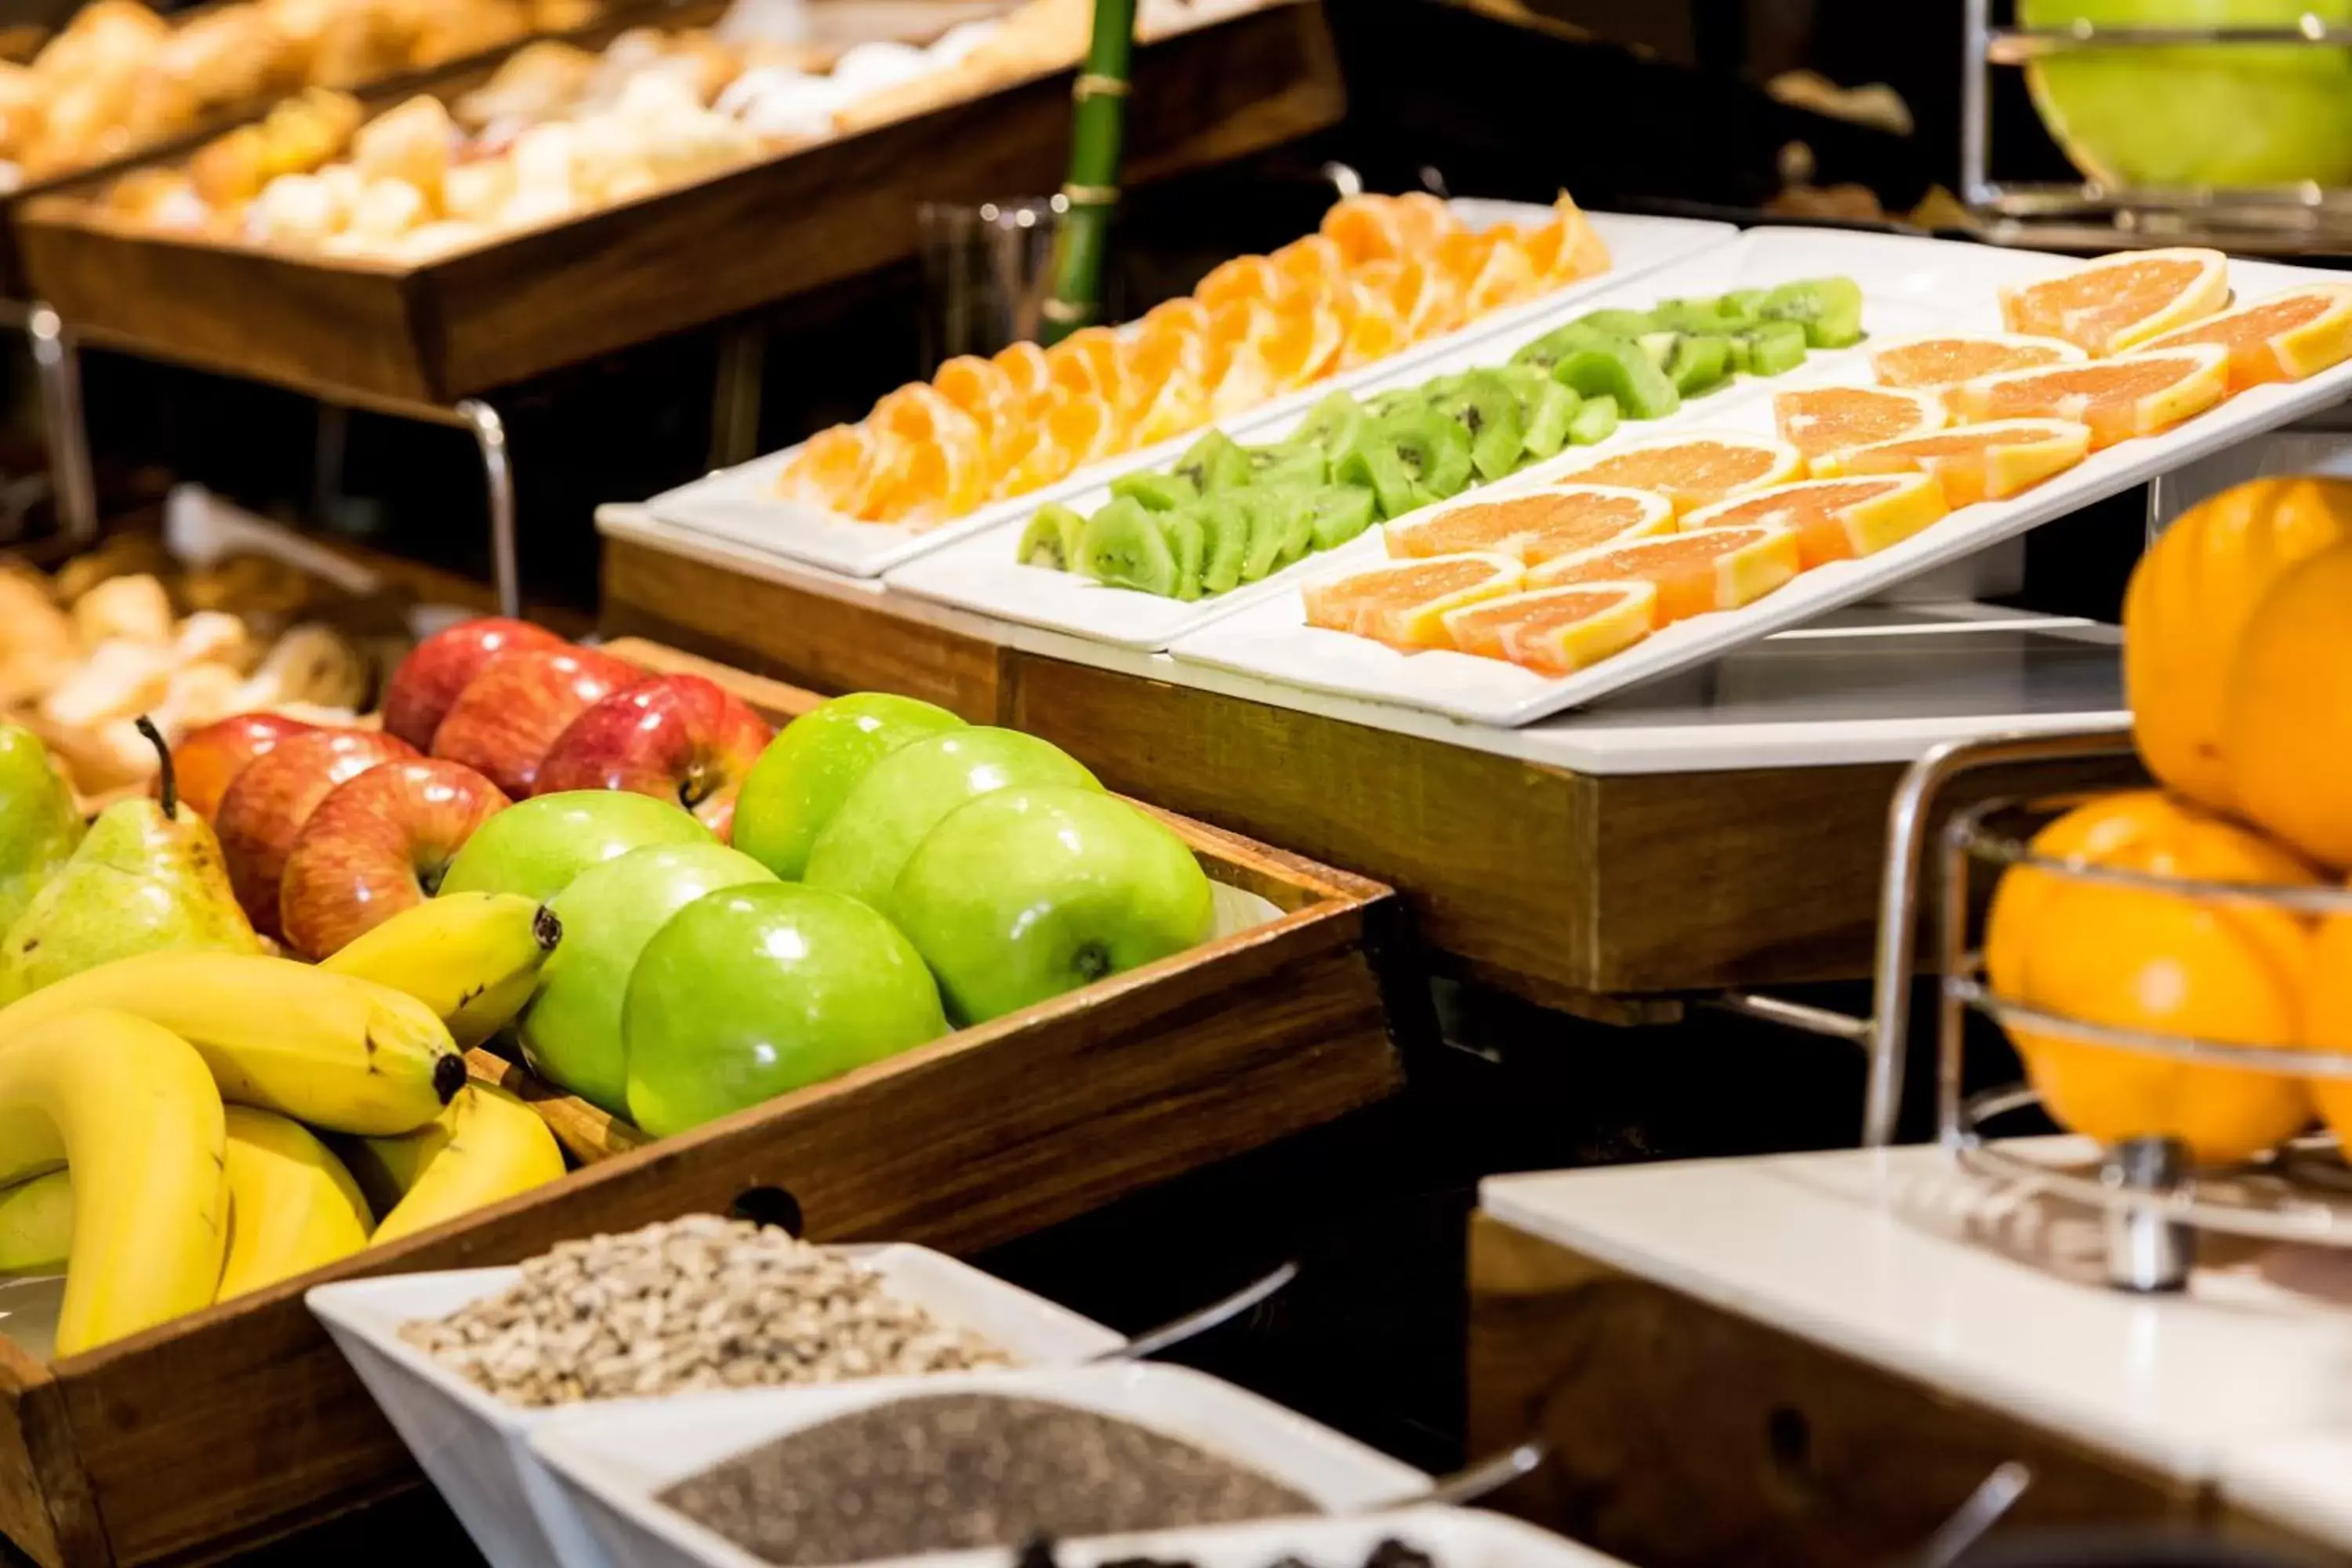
x=612, y=1461
x=740, y=503
x=475, y=1449
x=979, y=572
x=1270, y=637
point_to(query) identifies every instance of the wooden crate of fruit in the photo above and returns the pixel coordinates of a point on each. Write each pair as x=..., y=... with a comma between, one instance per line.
x=236, y=1422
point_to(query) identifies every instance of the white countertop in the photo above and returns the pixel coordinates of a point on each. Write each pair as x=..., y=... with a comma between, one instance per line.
x=1996, y=1294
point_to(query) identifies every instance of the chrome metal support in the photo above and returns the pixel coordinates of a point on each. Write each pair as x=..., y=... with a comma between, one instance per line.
x=735, y=399
x=1976, y=109
x=490, y=436
x=59, y=370
x=2147, y=1253
x=1798, y=1016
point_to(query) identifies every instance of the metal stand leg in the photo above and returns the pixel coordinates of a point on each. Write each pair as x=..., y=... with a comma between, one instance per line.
x=2145, y=1252
x=735, y=400
x=60, y=376
x=490, y=436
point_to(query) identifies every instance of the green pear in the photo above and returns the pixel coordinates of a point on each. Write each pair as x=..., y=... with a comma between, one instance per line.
x=148, y=876
x=38, y=824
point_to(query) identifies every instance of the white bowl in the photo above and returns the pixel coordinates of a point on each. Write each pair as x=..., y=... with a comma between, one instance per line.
x=476, y=1448
x=612, y=1460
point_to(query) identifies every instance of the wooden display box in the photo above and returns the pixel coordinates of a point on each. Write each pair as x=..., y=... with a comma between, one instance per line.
x=206, y=1435
x=479, y=319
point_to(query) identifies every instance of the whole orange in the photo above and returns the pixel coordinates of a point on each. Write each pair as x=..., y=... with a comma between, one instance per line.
x=2287, y=719
x=2191, y=600
x=2212, y=969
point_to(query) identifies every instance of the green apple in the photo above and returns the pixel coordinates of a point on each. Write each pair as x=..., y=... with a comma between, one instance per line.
x=755, y=991
x=905, y=796
x=536, y=847
x=809, y=769
x=38, y=824
x=1025, y=893
x=571, y=1033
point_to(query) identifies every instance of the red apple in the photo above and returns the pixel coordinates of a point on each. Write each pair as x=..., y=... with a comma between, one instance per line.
x=680, y=737
x=208, y=761
x=266, y=806
x=508, y=715
x=376, y=845
x=429, y=680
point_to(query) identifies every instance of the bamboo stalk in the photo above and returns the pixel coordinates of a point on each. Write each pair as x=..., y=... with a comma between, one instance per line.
x=1097, y=133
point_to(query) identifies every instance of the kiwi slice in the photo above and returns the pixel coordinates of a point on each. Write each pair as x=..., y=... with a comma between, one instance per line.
x=1269, y=531
x=1596, y=420
x=1774, y=347
x=1559, y=342
x=1225, y=524
x=1409, y=460
x=1526, y=382
x=1188, y=542
x=1829, y=308
x=1660, y=346
x=1331, y=424
x=1403, y=400
x=1622, y=372
x=1295, y=505
x=1699, y=365
x=1741, y=308
x=1340, y=513
x=1122, y=546
x=1548, y=419
x=1486, y=407
x=1052, y=538
x=1287, y=463
x=1616, y=323
x=1214, y=463
x=1157, y=492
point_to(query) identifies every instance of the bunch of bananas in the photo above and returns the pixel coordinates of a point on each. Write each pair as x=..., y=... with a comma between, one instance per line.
x=160, y=1116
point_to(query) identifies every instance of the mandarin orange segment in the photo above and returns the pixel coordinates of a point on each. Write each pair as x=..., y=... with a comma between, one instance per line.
x=1088, y=363
x=1302, y=346
x=1365, y=228
x=1182, y=404
x=1083, y=426
x=1185, y=314
x=1375, y=332
x=1537, y=527
x=1587, y=253
x=1507, y=276
x=2129, y=395
x=1834, y=520
x=1718, y=569
x=831, y=471
x=1817, y=419
x=2284, y=338
x=1243, y=278
x=1974, y=463
x=1403, y=604
x=1422, y=221
x=1556, y=631
x=2117, y=302
x=1692, y=471
x=1315, y=261
x=1936, y=361
x=1023, y=365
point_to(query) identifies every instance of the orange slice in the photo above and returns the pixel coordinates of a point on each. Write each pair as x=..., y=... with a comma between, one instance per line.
x=1692, y=471
x=1023, y=365
x=1720, y=569
x=1302, y=345
x=1941, y=360
x=832, y=469
x=2131, y=395
x=1536, y=526
x=2284, y=338
x=1243, y=278
x=1184, y=314
x=1317, y=261
x=1507, y=276
x=1587, y=253
x=2119, y=301
x=1083, y=426
x=1817, y=419
x=1088, y=363
x=1181, y=403
x=1150, y=357
x=981, y=389
x=1375, y=332
x=1556, y=631
x=1403, y=604
x=1977, y=462
x=1422, y=220
x=1365, y=228
x=1834, y=520
x=931, y=481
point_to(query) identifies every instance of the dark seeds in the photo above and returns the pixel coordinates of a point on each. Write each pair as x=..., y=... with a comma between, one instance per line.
x=960, y=1470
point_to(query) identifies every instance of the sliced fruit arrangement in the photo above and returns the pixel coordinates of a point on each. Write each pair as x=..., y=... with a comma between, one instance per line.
x=1820, y=419
x=1833, y=519
x=1537, y=527
x=2142, y=394
x=1714, y=569
x=1694, y=470
x=2284, y=338
x=1384, y=272
x=2115, y=303
x=1228, y=514
x=1975, y=462
x=1935, y=362
x=1558, y=630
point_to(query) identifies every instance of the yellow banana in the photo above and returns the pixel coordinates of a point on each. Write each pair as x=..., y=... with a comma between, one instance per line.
x=36, y=1224
x=473, y=958
x=131, y=1109
x=487, y=1146
x=331, y=1050
x=292, y=1208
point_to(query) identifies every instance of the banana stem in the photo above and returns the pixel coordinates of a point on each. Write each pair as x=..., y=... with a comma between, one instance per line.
x=167, y=783
x=1097, y=134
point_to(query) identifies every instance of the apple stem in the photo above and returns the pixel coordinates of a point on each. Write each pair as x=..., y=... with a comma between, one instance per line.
x=1093, y=960
x=167, y=783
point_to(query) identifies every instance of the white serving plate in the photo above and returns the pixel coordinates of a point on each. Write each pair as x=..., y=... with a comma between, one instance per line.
x=1271, y=638
x=979, y=572
x=612, y=1461
x=739, y=504
x=476, y=1448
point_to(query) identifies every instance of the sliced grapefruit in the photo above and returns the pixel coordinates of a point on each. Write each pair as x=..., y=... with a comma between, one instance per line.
x=1834, y=520
x=1404, y=603
x=1692, y=471
x=2131, y=395
x=1936, y=361
x=1536, y=526
x=2284, y=338
x=1556, y=631
x=1974, y=463
x=1817, y=419
x=1719, y=569
x=2119, y=301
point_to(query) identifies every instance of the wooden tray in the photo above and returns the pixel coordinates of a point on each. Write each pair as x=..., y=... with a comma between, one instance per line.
x=211, y=1434
x=501, y=313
